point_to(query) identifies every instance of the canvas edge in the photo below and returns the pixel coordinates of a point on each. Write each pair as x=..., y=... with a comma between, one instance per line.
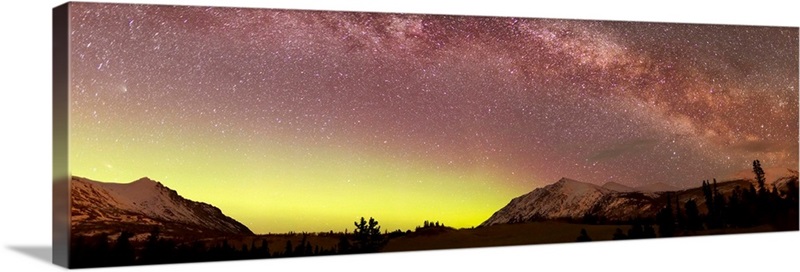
x=60, y=106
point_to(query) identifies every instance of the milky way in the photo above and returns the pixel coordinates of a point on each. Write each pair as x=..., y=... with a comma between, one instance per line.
x=456, y=114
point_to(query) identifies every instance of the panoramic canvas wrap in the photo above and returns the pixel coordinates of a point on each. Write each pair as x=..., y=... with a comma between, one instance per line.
x=186, y=134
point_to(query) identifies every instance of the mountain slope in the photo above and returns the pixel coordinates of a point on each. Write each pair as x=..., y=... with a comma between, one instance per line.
x=141, y=205
x=566, y=198
x=617, y=187
x=574, y=200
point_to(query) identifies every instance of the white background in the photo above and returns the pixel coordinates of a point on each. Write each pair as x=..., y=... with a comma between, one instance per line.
x=25, y=150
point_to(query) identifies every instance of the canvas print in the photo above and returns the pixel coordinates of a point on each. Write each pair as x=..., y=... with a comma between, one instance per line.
x=209, y=133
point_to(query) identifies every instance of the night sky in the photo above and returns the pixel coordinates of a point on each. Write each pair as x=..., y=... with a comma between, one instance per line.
x=308, y=120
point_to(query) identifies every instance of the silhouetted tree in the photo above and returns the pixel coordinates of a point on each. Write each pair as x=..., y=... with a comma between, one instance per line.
x=151, y=246
x=764, y=203
x=367, y=236
x=157, y=250
x=680, y=219
x=719, y=219
x=750, y=207
x=122, y=253
x=288, y=250
x=264, y=250
x=736, y=212
x=636, y=231
x=584, y=237
x=693, y=222
x=790, y=206
x=649, y=232
x=191, y=252
x=300, y=250
x=309, y=250
x=344, y=245
x=666, y=222
x=90, y=251
x=759, y=176
x=792, y=190
x=618, y=235
x=244, y=252
x=709, y=197
x=715, y=202
x=78, y=251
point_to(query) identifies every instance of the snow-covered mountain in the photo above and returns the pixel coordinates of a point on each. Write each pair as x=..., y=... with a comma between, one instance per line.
x=574, y=200
x=566, y=198
x=140, y=206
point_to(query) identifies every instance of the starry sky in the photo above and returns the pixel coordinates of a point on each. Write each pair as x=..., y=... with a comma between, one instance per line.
x=294, y=120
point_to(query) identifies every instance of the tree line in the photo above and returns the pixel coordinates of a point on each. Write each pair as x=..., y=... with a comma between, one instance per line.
x=100, y=251
x=756, y=205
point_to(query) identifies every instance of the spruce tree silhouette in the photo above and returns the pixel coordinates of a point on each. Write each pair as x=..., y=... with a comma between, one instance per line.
x=122, y=253
x=619, y=235
x=790, y=205
x=693, y=222
x=708, y=193
x=636, y=231
x=309, y=250
x=720, y=205
x=716, y=203
x=750, y=203
x=759, y=176
x=78, y=251
x=584, y=237
x=680, y=218
x=735, y=211
x=665, y=219
x=92, y=251
x=344, y=245
x=763, y=204
x=288, y=250
x=367, y=236
x=300, y=249
x=649, y=232
x=102, y=249
x=791, y=189
x=264, y=250
x=155, y=250
x=226, y=251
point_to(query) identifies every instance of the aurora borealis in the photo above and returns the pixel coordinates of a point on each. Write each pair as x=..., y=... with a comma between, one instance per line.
x=307, y=120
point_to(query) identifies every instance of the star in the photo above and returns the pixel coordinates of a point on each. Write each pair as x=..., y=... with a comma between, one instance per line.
x=276, y=108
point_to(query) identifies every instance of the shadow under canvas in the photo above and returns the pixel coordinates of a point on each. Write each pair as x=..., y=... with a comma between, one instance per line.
x=42, y=253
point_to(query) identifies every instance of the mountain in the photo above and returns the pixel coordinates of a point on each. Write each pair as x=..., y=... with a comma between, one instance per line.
x=573, y=200
x=783, y=183
x=649, y=188
x=566, y=198
x=140, y=206
x=771, y=174
x=655, y=187
x=613, y=186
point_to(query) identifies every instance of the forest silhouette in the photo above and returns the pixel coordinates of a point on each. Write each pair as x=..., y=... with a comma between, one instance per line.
x=740, y=209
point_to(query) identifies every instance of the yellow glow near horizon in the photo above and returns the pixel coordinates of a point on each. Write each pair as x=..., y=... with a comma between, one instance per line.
x=275, y=188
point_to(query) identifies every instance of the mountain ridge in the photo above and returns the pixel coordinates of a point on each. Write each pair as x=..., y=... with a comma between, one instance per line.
x=142, y=205
x=569, y=199
x=617, y=187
